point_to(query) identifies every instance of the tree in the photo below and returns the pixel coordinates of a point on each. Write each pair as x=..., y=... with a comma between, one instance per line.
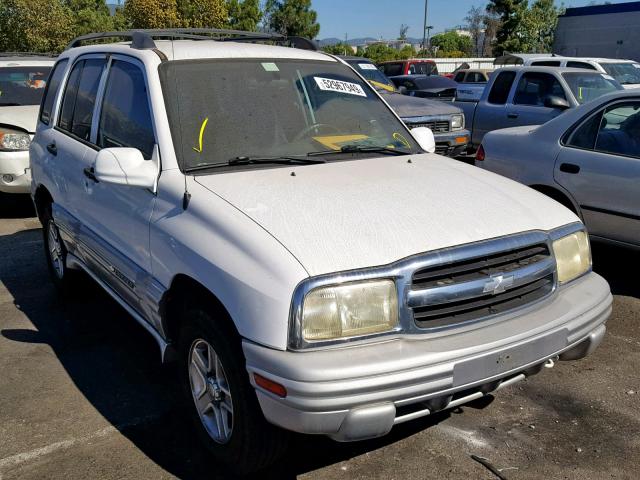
x=34, y=25
x=538, y=26
x=90, y=16
x=475, y=21
x=340, y=48
x=403, y=32
x=152, y=13
x=491, y=23
x=202, y=13
x=292, y=18
x=244, y=15
x=511, y=14
x=452, y=41
x=379, y=52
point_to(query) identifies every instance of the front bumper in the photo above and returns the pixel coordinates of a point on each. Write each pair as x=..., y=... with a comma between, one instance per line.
x=361, y=392
x=452, y=144
x=15, y=175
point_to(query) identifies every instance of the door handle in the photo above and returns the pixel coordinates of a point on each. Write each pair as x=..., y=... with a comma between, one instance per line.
x=90, y=173
x=513, y=115
x=569, y=168
x=52, y=148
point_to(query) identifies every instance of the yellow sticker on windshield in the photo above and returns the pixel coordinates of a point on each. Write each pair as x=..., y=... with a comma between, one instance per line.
x=334, y=142
x=202, y=129
x=397, y=136
x=388, y=88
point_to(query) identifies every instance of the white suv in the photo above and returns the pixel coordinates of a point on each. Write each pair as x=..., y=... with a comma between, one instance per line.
x=265, y=215
x=23, y=78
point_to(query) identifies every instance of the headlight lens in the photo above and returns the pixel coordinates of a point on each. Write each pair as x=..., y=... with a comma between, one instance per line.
x=457, y=122
x=14, y=140
x=349, y=310
x=573, y=256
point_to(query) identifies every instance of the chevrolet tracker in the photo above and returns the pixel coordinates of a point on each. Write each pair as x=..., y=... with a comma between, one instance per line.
x=299, y=254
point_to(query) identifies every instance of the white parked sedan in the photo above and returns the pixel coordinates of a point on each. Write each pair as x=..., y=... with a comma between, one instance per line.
x=23, y=80
x=587, y=159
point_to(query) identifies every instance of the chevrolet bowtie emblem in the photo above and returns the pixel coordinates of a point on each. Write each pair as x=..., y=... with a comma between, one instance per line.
x=498, y=284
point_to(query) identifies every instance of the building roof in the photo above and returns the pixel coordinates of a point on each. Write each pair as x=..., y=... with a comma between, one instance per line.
x=603, y=9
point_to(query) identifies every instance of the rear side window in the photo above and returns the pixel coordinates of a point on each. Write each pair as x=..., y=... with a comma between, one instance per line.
x=501, y=88
x=392, y=69
x=585, y=136
x=51, y=91
x=586, y=66
x=534, y=87
x=476, y=77
x=80, y=97
x=125, y=120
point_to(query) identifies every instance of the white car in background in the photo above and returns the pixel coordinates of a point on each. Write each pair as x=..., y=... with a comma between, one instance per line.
x=23, y=80
x=626, y=72
x=588, y=159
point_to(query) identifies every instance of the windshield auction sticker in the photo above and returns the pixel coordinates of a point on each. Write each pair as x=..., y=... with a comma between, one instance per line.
x=367, y=66
x=349, y=88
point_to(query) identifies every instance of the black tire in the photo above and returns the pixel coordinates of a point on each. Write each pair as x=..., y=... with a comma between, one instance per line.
x=254, y=444
x=61, y=276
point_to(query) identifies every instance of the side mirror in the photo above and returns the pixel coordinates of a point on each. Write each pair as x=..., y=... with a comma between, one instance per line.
x=424, y=137
x=403, y=90
x=125, y=166
x=552, y=101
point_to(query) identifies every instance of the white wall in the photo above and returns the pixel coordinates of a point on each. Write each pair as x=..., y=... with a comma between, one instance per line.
x=448, y=65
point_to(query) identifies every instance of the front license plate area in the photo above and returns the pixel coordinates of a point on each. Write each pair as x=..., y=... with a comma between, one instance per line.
x=503, y=361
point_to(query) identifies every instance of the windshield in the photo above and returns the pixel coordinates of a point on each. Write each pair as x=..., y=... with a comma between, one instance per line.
x=625, y=73
x=239, y=109
x=22, y=85
x=369, y=71
x=589, y=86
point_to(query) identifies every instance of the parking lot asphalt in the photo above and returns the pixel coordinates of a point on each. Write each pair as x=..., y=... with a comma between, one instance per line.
x=83, y=395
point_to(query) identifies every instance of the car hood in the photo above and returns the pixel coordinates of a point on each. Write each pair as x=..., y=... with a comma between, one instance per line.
x=24, y=117
x=407, y=107
x=354, y=214
x=634, y=86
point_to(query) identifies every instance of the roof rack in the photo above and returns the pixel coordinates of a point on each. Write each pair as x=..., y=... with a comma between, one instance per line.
x=144, y=39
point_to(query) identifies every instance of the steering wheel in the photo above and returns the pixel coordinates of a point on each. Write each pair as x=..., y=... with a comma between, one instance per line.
x=316, y=126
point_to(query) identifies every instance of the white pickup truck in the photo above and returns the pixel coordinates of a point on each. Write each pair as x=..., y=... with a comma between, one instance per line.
x=517, y=96
x=284, y=237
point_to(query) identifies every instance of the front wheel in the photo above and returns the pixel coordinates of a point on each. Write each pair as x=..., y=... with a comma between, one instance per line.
x=221, y=401
x=56, y=253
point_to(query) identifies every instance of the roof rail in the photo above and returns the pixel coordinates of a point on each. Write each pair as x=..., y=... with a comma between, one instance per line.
x=144, y=38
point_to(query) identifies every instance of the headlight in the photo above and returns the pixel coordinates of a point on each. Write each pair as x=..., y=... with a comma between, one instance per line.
x=14, y=140
x=457, y=122
x=349, y=310
x=573, y=256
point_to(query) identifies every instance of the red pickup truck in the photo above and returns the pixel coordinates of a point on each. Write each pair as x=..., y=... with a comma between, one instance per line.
x=418, y=66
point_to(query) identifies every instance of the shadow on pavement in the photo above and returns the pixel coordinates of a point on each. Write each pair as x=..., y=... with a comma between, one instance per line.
x=16, y=206
x=619, y=266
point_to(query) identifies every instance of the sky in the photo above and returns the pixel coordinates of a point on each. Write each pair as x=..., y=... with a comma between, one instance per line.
x=382, y=18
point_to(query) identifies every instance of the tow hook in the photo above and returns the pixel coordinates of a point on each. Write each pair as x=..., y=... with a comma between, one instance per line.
x=551, y=362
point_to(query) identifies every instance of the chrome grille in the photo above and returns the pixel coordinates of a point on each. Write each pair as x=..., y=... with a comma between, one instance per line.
x=470, y=289
x=440, y=126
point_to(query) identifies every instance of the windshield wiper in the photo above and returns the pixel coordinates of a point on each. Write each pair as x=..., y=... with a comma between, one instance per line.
x=362, y=149
x=10, y=104
x=278, y=160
